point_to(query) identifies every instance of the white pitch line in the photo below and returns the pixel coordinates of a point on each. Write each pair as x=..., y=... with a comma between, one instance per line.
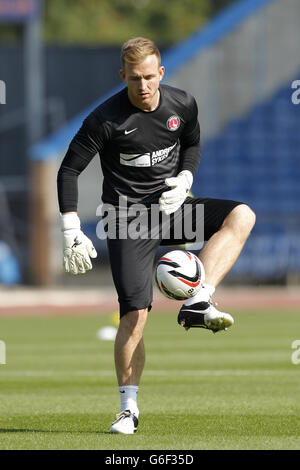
x=91, y=373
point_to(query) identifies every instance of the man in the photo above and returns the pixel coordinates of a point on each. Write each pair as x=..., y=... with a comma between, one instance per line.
x=148, y=138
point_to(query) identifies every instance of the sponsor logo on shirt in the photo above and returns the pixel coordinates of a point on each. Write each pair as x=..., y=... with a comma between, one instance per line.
x=138, y=159
x=146, y=159
x=160, y=155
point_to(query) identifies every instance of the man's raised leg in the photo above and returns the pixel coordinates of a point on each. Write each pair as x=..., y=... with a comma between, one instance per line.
x=218, y=256
x=224, y=247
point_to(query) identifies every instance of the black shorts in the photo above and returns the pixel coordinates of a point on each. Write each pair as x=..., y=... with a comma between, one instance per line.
x=132, y=259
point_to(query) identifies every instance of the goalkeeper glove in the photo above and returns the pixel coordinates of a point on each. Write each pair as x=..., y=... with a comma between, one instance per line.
x=77, y=248
x=171, y=200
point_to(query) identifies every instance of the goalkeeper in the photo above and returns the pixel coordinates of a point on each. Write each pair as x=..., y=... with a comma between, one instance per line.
x=148, y=139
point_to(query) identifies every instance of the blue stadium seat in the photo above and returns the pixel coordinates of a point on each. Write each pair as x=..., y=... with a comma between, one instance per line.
x=256, y=160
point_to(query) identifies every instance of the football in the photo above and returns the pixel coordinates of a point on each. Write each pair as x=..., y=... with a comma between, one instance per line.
x=179, y=275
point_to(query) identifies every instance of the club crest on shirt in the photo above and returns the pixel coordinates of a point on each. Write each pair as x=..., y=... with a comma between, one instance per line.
x=173, y=123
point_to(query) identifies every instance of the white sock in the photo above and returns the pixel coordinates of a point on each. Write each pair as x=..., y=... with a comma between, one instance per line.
x=202, y=296
x=128, y=395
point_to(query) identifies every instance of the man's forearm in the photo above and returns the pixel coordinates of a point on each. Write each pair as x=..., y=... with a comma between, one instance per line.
x=67, y=189
x=190, y=158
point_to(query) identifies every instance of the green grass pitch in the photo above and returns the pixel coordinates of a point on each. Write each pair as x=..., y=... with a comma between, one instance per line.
x=233, y=390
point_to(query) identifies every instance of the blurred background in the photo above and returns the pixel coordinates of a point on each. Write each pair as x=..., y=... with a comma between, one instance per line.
x=240, y=59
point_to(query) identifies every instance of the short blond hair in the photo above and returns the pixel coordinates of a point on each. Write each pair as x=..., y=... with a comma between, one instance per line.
x=137, y=49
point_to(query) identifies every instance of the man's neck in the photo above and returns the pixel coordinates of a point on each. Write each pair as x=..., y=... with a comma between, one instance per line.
x=151, y=106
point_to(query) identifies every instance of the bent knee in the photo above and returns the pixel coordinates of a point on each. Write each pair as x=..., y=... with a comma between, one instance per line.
x=242, y=220
x=246, y=215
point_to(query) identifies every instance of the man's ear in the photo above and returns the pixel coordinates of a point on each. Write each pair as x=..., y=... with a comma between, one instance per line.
x=161, y=72
x=122, y=75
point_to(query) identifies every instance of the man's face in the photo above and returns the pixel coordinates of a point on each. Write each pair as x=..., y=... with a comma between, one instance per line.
x=143, y=82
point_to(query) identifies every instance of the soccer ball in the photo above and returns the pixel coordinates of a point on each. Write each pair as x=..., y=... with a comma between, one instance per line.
x=179, y=275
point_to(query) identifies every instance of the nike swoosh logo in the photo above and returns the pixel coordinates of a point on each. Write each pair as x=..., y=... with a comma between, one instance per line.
x=129, y=132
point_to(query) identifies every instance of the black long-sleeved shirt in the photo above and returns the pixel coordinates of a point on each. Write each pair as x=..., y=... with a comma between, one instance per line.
x=138, y=149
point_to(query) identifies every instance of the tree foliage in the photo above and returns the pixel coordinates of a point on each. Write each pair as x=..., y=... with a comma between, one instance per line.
x=95, y=22
x=114, y=21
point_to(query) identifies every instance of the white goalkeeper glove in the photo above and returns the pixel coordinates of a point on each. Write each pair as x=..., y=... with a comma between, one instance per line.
x=171, y=200
x=77, y=247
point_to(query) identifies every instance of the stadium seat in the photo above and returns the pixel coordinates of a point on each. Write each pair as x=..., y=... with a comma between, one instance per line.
x=256, y=160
